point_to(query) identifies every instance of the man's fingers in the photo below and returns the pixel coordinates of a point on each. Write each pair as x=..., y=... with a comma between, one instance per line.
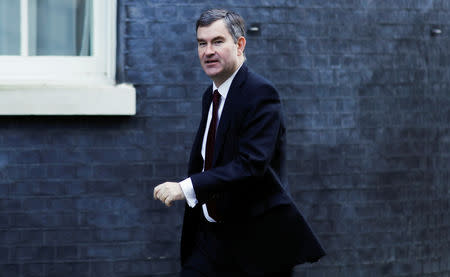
x=156, y=190
x=168, y=201
x=157, y=194
x=162, y=196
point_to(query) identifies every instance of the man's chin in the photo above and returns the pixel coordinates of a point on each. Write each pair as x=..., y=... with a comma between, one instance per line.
x=212, y=73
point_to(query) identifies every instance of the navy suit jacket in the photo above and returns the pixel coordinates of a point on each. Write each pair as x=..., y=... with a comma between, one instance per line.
x=262, y=225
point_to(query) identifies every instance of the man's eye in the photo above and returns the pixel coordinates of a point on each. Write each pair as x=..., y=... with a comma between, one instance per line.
x=201, y=44
x=218, y=42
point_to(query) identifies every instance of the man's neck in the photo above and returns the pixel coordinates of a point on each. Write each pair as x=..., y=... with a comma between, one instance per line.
x=218, y=83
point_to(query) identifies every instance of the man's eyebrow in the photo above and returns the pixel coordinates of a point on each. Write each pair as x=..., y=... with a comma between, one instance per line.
x=215, y=38
x=219, y=37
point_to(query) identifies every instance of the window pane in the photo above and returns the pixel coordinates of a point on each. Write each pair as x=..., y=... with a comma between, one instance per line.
x=9, y=27
x=60, y=27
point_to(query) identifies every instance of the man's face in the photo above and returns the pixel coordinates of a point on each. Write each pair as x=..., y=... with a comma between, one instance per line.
x=219, y=55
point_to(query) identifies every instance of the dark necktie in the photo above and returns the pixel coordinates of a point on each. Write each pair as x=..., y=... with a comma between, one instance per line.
x=211, y=138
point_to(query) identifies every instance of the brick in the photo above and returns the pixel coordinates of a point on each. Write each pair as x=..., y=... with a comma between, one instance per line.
x=4, y=221
x=43, y=253
x=31, y=237
x=102, y=269
x=66, y=252
x=33, y=269
x=4, y=254
x=138, y=12
x=4, y=191
x=10, y=269
x=10, y=204
x=136, y=29
x=69, y=269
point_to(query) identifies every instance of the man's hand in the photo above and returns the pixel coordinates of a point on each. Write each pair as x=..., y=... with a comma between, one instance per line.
x=168, y=192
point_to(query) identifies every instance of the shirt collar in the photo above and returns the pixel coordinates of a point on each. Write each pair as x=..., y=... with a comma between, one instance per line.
x=225, y=87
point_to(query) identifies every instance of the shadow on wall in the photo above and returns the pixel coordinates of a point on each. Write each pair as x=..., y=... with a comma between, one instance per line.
x=376, y=187
x=403, y=124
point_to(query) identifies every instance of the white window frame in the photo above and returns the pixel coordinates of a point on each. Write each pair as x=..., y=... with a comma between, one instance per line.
x=64, y=85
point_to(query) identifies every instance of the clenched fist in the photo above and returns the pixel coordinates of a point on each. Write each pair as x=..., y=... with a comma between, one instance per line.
x=168, y=192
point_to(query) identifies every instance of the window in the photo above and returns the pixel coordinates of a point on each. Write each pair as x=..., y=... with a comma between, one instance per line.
x=58, y=57
x=45, y=28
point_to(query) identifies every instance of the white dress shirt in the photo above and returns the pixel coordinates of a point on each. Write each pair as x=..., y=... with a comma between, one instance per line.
x=186, y=184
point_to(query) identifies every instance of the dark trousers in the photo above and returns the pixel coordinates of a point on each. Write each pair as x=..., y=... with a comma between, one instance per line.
x=212, y=258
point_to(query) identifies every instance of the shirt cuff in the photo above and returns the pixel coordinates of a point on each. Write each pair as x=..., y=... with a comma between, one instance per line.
x=189, y=193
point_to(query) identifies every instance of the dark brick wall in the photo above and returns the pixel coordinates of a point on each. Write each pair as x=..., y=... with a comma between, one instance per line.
x=366, y=95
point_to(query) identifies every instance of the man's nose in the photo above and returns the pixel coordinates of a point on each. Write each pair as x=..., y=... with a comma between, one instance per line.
x=209, y=50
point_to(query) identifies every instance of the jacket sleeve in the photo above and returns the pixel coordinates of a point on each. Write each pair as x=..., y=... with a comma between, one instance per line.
x=257, y=139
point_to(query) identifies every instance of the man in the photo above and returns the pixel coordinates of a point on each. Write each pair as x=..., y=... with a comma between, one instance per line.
x=239, y=219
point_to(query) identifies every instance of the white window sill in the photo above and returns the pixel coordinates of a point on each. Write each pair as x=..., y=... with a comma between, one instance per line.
x=67, y=99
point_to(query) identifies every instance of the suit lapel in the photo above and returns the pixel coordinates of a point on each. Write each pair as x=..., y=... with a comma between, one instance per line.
x=228, y=110
x=196, y=160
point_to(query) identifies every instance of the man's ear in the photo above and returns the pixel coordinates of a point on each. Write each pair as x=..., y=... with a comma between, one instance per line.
x=241, y=46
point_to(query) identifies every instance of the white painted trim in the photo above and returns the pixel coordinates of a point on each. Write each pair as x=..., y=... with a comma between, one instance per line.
x=24, y=28
x=58, y=85
x=68, y=100
x=111, y=38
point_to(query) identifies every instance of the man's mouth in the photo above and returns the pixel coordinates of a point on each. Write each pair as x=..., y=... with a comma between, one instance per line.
x=211, y=61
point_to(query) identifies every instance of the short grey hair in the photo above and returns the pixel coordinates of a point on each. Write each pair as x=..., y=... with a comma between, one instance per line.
x=234, y=22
